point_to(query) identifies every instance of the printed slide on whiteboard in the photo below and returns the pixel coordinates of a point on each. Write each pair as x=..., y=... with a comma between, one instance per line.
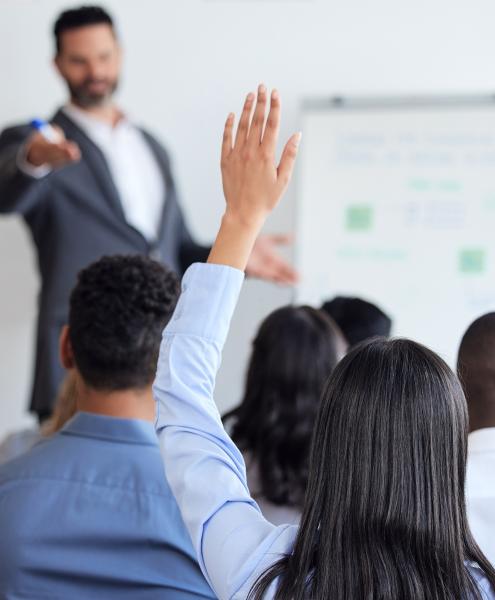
x=396, y=204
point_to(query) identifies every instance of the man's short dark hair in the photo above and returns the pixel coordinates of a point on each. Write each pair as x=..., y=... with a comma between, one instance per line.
x=118, y=310
x=358, y=319
x=79, y=17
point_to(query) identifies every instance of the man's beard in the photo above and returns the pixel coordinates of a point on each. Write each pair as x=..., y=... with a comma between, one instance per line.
x=82, y=95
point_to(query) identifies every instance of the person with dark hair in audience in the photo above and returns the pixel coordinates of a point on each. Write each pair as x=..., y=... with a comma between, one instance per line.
x=358, y=319
x=294, y=352
x=384, y=515
x=476, y=368
x=88, y=513
x=100, y=185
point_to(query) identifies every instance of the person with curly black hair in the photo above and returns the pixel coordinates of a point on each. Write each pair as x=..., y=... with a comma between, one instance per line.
x=116, y=314
x=88, y=512
x=294, y=351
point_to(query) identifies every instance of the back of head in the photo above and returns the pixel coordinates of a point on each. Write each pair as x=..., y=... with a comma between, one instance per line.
x=108, y=498
x=293, y=354
x=118, y=310
x=358, y=319
x=476, y=368
x=384, y=516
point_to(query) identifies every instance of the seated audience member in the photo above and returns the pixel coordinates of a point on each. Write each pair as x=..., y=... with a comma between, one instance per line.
x=19, y=442
x=358, y=319
x=476, y=367
x=294, y=352
x=88, y=513
x=384, y=516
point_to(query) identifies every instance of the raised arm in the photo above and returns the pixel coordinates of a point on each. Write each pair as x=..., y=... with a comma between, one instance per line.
x=233, y=541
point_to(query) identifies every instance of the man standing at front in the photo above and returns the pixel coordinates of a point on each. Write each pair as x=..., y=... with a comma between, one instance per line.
x=104, y=186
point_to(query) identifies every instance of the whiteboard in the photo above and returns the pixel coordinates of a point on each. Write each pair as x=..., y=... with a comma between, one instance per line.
x=396, y=204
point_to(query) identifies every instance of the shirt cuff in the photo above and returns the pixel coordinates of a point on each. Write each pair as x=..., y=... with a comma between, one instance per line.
x=207, y=301
x=27, y=168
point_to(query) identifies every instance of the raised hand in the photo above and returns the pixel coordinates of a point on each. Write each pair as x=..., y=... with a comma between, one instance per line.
x=252, y=182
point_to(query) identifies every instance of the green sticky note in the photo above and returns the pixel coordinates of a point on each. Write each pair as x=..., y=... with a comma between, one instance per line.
x=450, y=186
x=359, y=217
x=420, y=185
x=472, y=260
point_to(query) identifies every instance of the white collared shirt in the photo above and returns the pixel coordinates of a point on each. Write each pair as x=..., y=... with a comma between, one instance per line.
x=133, y=167
x=480, y=489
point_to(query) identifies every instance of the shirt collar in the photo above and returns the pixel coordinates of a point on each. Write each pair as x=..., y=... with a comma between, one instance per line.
x=482, y=440
x=91, y=125
x=130, y=431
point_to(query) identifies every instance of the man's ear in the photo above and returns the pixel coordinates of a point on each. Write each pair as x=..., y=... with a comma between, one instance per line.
x=65, y=349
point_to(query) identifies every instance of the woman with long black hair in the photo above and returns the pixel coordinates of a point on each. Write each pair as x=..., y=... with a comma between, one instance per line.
x=293, y=352
x=384, y=515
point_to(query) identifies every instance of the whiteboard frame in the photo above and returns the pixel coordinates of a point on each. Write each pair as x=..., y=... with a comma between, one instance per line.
x=398, y=102
x=358, y=102
x=335, y=104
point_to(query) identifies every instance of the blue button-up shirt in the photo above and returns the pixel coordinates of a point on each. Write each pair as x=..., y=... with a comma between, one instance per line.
x=206, y=471
x=88, y=514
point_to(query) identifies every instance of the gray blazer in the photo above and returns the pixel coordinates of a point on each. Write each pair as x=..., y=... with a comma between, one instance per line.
x=75, y=216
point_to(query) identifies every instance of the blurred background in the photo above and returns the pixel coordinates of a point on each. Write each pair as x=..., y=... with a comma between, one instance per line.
x=186, y=65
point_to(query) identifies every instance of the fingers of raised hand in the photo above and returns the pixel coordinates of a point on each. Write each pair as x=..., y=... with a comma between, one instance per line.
x=251, y=133
x=243, y=127
x=227, y=138
x=253, y=151
x=256, y=129
x=270, y=136
x=288, y=159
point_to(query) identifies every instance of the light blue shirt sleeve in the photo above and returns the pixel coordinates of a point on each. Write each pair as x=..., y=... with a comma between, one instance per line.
x=205, y=470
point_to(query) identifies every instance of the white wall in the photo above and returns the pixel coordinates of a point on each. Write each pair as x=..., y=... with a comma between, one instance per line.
x=188, y=63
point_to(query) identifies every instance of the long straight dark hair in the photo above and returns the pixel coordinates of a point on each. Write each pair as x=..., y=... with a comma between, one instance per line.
x=384, y=515
x=294, y=351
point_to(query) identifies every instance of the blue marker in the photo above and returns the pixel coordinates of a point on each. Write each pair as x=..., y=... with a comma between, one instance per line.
x=46, y=130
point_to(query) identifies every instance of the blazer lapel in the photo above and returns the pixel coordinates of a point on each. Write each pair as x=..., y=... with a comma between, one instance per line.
x=95, y=160
x=163, y=161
